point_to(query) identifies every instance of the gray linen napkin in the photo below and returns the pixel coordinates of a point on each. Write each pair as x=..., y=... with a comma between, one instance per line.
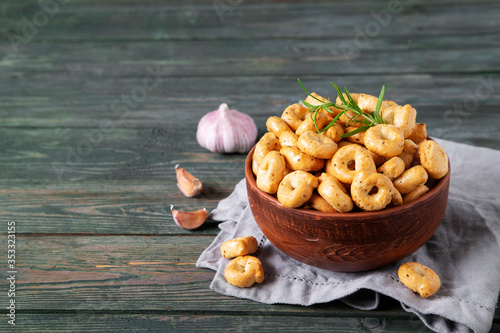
x=464, y=252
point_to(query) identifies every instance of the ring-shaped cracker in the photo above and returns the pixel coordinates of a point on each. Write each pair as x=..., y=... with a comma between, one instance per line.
x=239, y=247
x=308, y=124
x=319, y=203
x=288, y=139
x=294, y=115
x=267, y=143
x=271, y=172
x=371, y=192
x=419, y=278
x=316, y=145
x=403, y=117
x=348, y=160
x=297, y=160
x=368, y=103
x=335, y=131
x=296, y=188
x=277, y=126
x=244, y=271
x=392, y=168
x=334, y=193
x=410, y=179
x=313, y=100
x=419, y=133
x=433, y=158
x=419, y=191
x=384, y=140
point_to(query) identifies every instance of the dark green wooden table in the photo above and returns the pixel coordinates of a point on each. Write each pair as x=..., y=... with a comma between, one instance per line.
x=100, y=99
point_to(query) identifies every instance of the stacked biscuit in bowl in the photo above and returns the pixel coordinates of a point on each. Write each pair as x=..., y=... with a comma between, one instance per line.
x=336, y=191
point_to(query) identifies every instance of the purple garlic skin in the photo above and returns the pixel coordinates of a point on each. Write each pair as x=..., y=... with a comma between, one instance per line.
x=226, y=131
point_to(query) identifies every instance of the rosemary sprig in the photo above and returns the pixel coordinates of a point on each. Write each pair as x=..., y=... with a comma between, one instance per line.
x=368, y=119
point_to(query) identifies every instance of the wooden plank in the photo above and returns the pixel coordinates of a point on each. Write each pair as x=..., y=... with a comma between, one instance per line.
x=165, y=21
x=131, y=273
x=104, y=321
x=123, y=273
x=117, y=186
x=98, y=209
x=429, y=55
x=31, y=102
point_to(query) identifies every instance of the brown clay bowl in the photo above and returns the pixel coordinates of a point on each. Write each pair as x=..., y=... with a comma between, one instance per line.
x=348, y=242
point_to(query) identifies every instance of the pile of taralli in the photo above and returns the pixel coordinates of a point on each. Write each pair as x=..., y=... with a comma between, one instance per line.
x=381, y=165
x=243, y=270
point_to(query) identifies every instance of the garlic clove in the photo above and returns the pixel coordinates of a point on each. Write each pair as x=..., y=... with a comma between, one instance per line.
x=189, y=220
x=226, y=131
x=187, y=183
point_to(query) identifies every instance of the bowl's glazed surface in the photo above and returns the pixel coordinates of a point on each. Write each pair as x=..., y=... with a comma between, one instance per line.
x=348, y=242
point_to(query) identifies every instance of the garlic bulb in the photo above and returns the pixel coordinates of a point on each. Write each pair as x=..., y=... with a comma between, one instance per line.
x=226, y=131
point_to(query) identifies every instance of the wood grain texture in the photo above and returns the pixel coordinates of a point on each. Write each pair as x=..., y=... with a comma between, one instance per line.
x=427, y=55
x=165, y=321
x=87, y=169
x=208, y=20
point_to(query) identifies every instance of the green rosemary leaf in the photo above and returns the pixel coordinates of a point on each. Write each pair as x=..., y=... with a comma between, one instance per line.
x=352, y=102
x=334, y=120
x=308, y=93
x=309, y=105
x=356, y=131
x=325, y=107
x=378, y=113
x=380, y=99
x=315, y=118
x=349, y=105
x=339, y=93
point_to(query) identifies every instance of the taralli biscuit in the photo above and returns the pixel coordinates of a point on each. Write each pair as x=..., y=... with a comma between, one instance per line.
x=335, y=131
x=410, y=147
x=308, y=124
x=379, y=160
x=419, y=133
x=407, y=158
x=316, y=145
x=392, y=168
x=294, y=115
x=368, y=103
x=271, y=172
x=277, y=126
x=334, y=193
x=244, y=272
x=288, y=139
x=356, y=138
x=297, y=160
x=410, y=179
x=348, y=160
x=402, y=117
x=296, y=189
x=362, y=191
x=384, y=140
x=397, y=198
x=419, y=191
x=267, y=143
x=319, y=203
x=239, y=247
x=349, y=117
x=326, y=147
x=419, y=278
x=313, y=100
x=433, y=158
